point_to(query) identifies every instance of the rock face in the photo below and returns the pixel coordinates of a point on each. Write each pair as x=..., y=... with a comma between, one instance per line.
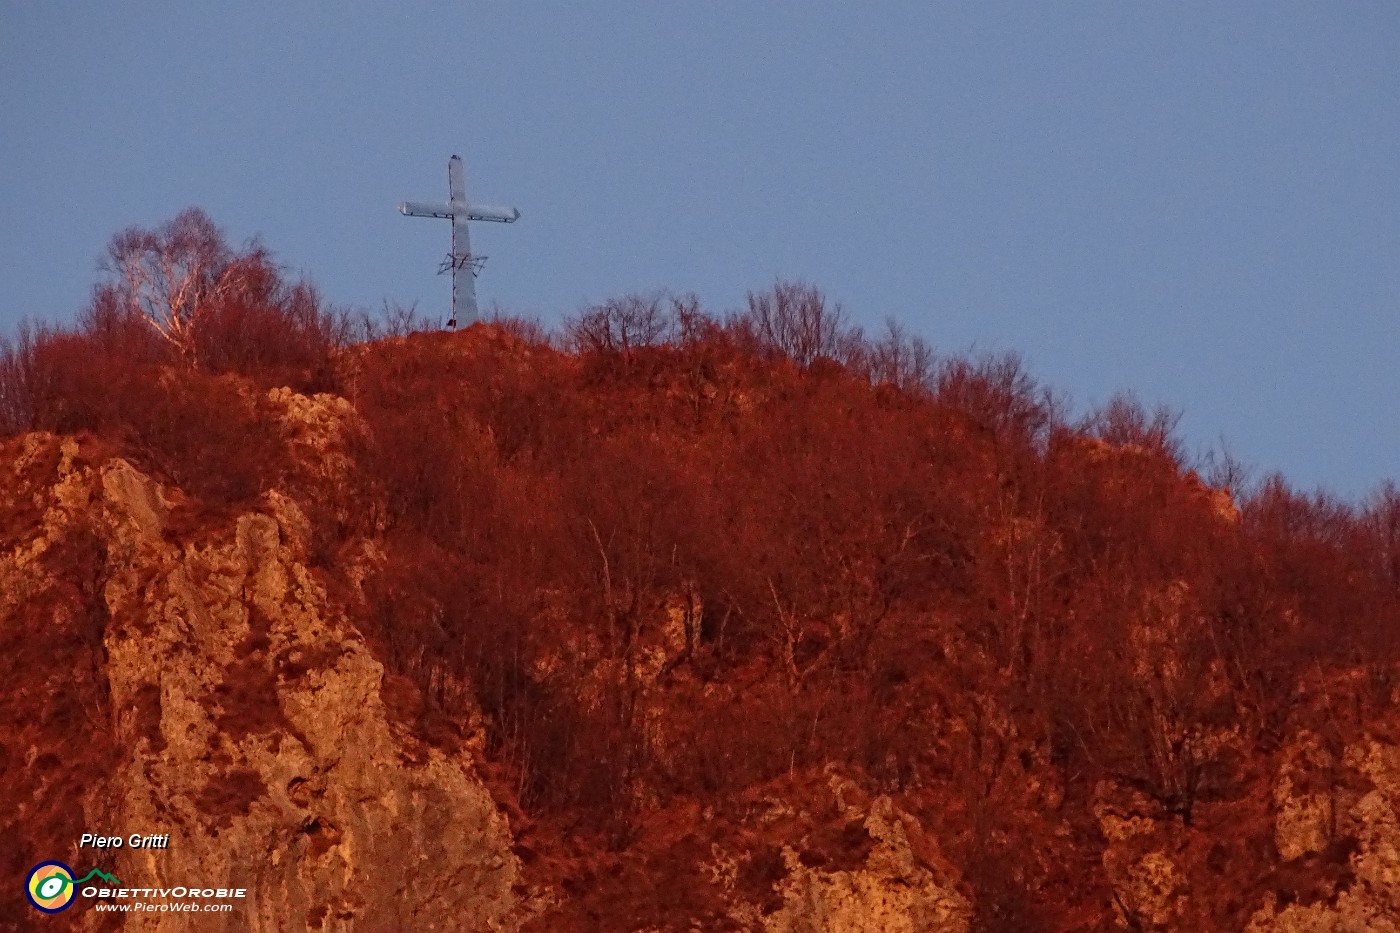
x=261, y=744
x=1305, y=823
x=1305, y=803
x=890, y=893
x=1149, y=890
x=249, y=726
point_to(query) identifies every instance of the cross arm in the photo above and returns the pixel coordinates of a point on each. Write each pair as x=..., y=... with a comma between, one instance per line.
x=447, y=209
x=504, y=215
x=427, y=209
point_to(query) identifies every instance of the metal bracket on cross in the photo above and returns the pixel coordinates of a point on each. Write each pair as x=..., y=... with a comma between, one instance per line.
x=452, y=263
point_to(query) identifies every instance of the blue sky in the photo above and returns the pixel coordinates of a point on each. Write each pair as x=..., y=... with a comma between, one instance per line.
x=1198, y=202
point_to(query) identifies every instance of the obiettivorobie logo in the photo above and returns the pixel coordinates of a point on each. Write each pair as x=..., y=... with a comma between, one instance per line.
x=50, y=886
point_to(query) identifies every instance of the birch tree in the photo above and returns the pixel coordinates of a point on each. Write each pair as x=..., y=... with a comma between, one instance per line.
x=172, y=275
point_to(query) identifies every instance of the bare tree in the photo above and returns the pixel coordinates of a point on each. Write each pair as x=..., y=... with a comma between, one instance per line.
x=22, y=379
x=1382, y=517
x=1124, y=421
x=999, y=393
x=796, y=320
x=620, y=325
x=901, y=360
x=173, y=274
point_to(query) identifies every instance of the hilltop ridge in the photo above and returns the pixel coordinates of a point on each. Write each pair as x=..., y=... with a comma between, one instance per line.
x=671, y=621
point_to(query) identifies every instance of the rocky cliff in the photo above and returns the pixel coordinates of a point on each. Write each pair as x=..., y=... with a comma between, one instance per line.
x=245, y=719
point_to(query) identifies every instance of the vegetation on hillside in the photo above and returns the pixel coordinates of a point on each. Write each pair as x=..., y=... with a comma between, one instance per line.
x=674, y=555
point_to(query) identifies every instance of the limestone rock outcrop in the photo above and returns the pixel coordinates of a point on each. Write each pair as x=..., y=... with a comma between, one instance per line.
x=893, y=891
x=1306, y=822
x=249, y=726
x=1149, y=889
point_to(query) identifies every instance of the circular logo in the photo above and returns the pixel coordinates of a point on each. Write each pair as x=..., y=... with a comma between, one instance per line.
x=50, y=887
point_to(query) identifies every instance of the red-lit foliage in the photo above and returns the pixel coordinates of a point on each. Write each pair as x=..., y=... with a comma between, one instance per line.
x=184, y=402
x=671, y=555
x=872, y=555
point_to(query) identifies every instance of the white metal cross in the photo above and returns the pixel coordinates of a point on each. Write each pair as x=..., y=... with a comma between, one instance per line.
x=461, y=258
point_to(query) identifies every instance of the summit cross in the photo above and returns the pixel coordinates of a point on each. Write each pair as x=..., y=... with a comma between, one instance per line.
x=461, y=262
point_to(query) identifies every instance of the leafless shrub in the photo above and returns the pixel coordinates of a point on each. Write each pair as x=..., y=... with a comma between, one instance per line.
x=1382, y=516
x=1125, y=422
x=620, y=325
x=402, y=320
x=794, y=319
x=21, y=378
x=900, y=359
x=1221, y=469
x=526, y=329
x=998, y=393
x=690, y=323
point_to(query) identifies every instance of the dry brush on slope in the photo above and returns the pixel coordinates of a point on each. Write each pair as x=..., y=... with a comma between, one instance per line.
x=746, y=620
